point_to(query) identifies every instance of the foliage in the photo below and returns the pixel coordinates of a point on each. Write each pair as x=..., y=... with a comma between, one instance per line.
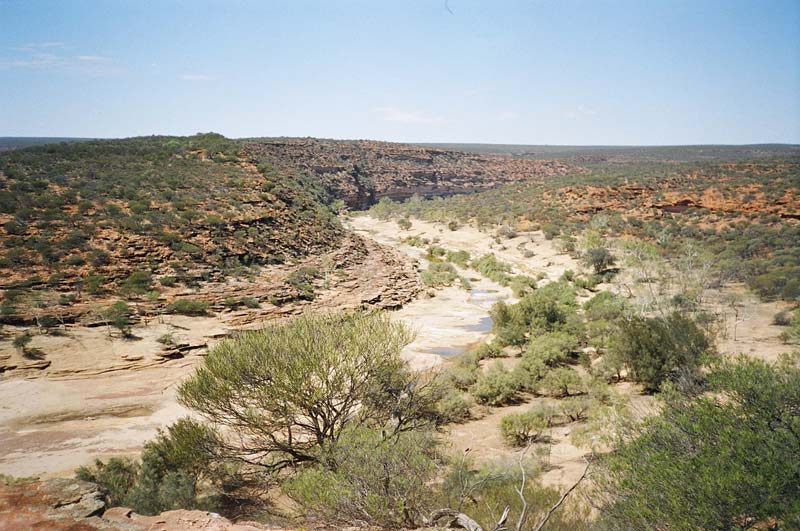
x=288, y=389
x=364, y=476
x=167, y=476
x=657, y=348
x=497, y=386
x=119, y=316
x=726, y=459
x=302, y=280
x=599, y=259
x=439, y=274
x=521, y=429
x=187, y=307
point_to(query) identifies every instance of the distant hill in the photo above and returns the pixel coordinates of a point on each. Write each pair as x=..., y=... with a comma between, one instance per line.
x=628, y=154
x=18, y=142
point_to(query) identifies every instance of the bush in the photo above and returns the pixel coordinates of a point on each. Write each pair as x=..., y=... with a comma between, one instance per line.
x=439, y=274
x=137, y=283
x=404, y=223
x=119, y=316
x=301, y=383
x=741, y=467
x=166, y=478
x=188, y=307
x=561, y=382
x=553, y=348
x=366, y=477
x=599, y=259
x=302, y=280
x=521, y=429
x=575, y=408
x=521, y=284
x=655, y=349
x=454, y=407
x=496, y=387
x=460, y=258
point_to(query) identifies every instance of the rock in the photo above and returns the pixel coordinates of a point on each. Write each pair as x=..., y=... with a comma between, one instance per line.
x=72, y=498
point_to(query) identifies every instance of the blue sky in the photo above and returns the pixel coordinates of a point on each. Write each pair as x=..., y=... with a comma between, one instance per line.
x=528, y=72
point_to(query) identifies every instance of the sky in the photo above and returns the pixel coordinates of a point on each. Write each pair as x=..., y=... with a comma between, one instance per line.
x=620, y=72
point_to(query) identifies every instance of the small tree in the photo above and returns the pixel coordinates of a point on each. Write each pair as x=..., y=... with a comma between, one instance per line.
x=599, y=258
x=22, y=341
x=288, y=389
x=119, y=316
x=653, y=348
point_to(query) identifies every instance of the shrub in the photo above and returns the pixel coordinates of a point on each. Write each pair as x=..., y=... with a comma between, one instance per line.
x=187, y=307
x=168, y=281
x=489, y=266
x=452, y=225
x=553, y=348
x=22, y=341
x=119, y=316
x=301, y=383
x=404, y=223
x=742, y=467
x=599, y=259
x=366, y=477
x=496, y=387
x=137, y=283
x=521, y=429
x=439, y=274
x=454, y=406
x=166, y=478
x=656, y=348
x=561, y=382
x=462, y=377
x=522, y=284
x=302, y=279
x=460, y=258
x=575, y=408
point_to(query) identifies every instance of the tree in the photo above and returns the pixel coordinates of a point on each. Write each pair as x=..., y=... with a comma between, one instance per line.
x=288, y=389
x=22, y=341
x=653, y=348
x=119, y=316
x=599, y=258
x=724, y=459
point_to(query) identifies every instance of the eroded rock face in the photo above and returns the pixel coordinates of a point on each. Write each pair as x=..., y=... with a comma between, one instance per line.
x=361, y=172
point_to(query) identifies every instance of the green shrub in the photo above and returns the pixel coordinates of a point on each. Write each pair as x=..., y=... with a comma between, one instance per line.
x=522, y=284
x=561, y=382
x=454, y=406
x=723, y=459
x=656, y=348
x=553, y=348
x=302, y=280
x=460, y=258
x=489, y=266
x=404, y=223
x=599, y=259
x=369, y=478
x=439, y=274
x=137, y=283
x=521, y=429
x=119, y=316
x=496, y=387
x=168, y=281
x=187, y=307
x=575, y=408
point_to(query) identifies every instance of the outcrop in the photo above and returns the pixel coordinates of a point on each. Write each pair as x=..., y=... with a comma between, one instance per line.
x=361, y=172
